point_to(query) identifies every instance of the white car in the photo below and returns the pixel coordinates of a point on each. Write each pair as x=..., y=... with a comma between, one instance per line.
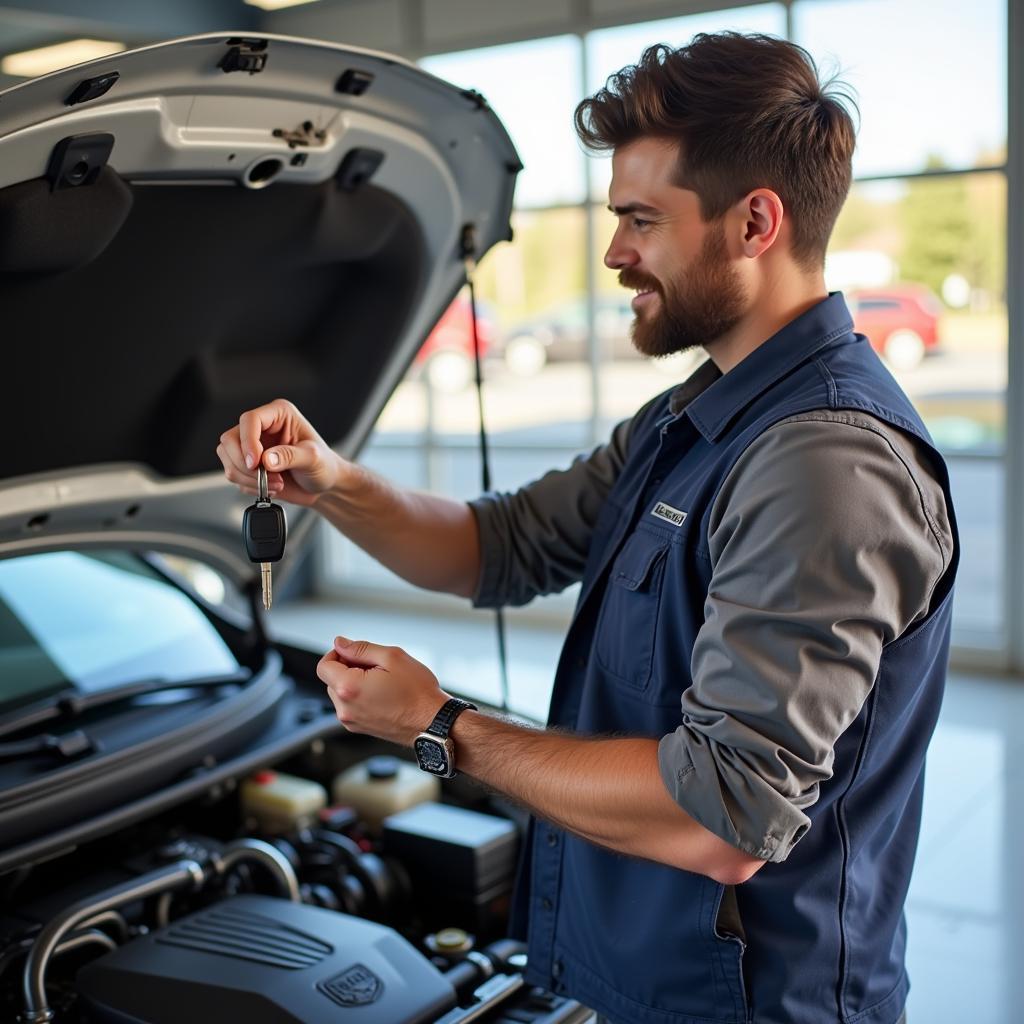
x=187, y=231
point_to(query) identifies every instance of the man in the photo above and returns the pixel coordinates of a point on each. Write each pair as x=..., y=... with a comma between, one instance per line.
x=767, y=554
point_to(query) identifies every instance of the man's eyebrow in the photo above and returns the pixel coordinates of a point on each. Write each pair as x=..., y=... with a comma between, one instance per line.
x=622, y=211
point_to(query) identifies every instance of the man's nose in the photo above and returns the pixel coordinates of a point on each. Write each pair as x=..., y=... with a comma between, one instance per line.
x=618, y=255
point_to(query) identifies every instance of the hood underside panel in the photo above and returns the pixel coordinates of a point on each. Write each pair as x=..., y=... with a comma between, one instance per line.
x=196, y=228
x=207, y=302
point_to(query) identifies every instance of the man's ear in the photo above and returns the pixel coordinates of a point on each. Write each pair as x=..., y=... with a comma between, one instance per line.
x=762, y=215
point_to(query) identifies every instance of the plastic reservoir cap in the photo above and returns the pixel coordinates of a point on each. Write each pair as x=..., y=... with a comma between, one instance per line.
x=264, y=778
x=384, y=766
x=452, y=938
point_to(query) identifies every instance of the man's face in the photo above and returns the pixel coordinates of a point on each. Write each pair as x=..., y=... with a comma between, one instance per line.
x=688, y=291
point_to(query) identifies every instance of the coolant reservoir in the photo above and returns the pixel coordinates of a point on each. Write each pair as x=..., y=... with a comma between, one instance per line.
x=280, y=802
x=383, y=785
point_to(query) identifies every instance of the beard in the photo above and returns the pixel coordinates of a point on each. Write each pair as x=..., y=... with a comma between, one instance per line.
x=702, y=305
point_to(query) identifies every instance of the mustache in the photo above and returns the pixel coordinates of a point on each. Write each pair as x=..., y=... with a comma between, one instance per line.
x=630, y=278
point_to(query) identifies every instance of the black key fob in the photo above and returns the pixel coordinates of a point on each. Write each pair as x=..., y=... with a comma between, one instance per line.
x=264, y=526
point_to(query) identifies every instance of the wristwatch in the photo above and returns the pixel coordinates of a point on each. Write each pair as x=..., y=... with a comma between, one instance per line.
x=435, y=749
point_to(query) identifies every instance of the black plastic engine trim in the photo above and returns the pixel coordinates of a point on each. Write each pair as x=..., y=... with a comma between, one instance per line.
x=289, y=735
x=234, y=711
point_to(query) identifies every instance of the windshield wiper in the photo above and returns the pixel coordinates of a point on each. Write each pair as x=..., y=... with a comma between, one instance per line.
x=68, y=747
x=72, y=704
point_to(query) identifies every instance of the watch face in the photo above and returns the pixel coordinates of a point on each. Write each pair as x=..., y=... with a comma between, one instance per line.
x=432, y=756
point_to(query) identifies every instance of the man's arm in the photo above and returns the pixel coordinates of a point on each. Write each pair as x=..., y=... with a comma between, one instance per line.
x=536, y=540
x=431, y=541
x=608, y=791
x=500, y=548
x=827, y=541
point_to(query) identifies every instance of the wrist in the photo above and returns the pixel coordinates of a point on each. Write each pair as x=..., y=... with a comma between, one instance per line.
x=342, y=474
x=425, y=714
x=342, y=477
x=434, y=746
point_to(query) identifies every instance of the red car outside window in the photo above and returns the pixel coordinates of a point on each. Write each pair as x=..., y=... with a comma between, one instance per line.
x=901, y=321
x=446, y=357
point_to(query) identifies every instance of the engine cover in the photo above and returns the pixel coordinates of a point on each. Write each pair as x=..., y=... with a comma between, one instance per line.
x=266, y=961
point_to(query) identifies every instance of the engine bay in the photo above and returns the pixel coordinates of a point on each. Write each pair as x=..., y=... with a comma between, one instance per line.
x=211, y=845
x=263, y=901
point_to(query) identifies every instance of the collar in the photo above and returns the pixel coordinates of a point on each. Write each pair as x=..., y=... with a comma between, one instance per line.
x=712, y=399
x=698, y=382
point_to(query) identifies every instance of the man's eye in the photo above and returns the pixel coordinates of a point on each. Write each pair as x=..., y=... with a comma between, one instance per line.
x=640, y=224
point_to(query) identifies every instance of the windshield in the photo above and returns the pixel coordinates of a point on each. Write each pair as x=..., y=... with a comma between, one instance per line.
x=91, y=621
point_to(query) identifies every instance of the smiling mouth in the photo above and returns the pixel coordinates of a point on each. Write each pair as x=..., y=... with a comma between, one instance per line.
x=641, y=297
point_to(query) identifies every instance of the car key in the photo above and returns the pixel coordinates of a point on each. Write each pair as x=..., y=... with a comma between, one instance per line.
x=264, y=529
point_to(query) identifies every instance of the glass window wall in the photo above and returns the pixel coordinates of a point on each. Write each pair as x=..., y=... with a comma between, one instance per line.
x=919, y=250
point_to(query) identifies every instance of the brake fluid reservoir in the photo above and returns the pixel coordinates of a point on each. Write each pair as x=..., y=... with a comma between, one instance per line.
x=383, y=785
x=280, y=802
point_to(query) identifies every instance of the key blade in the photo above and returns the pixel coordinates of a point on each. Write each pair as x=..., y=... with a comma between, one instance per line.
x=268, y=589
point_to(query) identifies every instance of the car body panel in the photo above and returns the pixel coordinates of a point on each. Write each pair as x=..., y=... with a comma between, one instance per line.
x=216, y=291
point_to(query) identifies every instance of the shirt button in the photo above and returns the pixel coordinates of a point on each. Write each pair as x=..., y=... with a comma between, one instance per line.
x=552, y=839
x=581, y=663
x=556, y=969
x=545, y=904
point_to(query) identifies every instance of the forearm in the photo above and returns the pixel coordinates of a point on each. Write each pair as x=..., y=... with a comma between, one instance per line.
x=432, y=542
x=608, y=791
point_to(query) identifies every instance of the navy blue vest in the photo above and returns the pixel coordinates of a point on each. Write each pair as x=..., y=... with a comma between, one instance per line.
x=824, y=931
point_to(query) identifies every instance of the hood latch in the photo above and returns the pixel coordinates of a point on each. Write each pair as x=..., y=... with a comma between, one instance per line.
x=245, y=55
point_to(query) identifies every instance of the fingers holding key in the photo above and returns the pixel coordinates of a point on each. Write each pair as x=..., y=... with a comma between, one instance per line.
x=246, y=481
x=300, y=464
x=242, y=446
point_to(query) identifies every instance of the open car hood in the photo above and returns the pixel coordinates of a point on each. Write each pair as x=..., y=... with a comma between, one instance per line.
x=191, y=229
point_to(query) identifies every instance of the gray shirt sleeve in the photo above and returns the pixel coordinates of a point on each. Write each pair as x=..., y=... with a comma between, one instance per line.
x=535, y=541
x=827, y=540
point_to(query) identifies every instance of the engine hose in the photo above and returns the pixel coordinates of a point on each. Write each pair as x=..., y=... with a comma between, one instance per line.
x=184, y=874
x=263, y=853
x=109, y=917
x=370, y=870
x=479, y=965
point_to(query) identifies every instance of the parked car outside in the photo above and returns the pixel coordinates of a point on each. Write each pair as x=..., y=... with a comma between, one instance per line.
x=559, y=334
x=446, y=357
x=900, y=321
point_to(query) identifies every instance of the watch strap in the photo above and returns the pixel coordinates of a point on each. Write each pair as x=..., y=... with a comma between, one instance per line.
x=445, y=718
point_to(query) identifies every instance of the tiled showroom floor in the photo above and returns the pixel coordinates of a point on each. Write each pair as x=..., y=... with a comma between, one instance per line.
x=966, y=905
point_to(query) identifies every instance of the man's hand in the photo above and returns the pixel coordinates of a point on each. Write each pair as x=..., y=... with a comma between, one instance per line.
x=380, y=690
x=300, y=465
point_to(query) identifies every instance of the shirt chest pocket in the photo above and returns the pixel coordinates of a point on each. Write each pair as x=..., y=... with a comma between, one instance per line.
x=627, y=623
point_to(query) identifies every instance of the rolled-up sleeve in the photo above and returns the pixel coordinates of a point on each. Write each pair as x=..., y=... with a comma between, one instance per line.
x=535, y=541
x=826, y=540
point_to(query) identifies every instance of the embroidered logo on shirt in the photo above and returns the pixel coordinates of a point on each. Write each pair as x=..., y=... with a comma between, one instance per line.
x=668, y=513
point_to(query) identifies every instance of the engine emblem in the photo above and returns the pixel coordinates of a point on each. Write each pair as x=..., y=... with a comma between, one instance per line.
x=356, y=986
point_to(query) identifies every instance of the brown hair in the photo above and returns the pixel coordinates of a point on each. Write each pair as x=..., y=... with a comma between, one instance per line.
x=750, y=113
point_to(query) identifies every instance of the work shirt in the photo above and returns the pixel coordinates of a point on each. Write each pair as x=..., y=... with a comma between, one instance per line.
x=750, y=546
